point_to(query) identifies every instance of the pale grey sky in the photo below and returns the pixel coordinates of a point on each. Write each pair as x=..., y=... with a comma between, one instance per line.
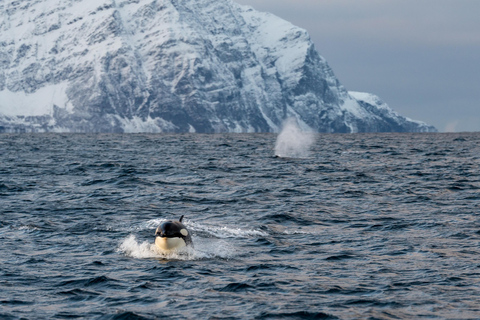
x=422, y=57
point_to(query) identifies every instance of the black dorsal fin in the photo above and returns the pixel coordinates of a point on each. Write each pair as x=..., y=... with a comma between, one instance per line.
x=181, y=218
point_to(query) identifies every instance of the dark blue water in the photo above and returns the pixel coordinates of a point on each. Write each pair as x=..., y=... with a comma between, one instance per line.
x=379, y=226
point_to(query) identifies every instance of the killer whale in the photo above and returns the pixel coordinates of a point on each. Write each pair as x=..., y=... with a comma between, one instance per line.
x=172, y=235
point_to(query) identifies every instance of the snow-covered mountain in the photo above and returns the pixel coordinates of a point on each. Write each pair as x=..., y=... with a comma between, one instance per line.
x=170, y=66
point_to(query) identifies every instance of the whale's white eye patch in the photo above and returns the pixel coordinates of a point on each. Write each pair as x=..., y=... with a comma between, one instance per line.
x=184, y=232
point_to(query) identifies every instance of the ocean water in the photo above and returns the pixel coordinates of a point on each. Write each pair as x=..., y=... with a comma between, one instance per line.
x=359, y=226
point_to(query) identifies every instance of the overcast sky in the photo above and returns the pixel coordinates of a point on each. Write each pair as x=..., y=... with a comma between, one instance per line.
x=422, y=57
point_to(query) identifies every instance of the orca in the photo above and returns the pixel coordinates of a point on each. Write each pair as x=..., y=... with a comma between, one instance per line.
x=172, y=235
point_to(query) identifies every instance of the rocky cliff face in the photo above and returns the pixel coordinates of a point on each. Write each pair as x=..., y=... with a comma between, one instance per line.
x=169, y=66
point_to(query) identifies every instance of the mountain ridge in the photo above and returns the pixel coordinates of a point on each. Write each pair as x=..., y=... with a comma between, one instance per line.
x=169, y=66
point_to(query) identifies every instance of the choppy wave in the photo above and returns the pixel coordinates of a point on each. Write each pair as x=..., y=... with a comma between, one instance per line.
x=379, y=226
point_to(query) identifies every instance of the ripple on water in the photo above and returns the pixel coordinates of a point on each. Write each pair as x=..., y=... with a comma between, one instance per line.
x=378, y=226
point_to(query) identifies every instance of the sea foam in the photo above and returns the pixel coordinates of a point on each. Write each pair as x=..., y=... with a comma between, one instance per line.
x=203, y=249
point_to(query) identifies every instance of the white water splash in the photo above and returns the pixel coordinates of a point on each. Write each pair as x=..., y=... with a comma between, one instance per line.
x=212, y=231
x=209, y=242
x=132, y=248
x=203, y=249
x=224, y=232
x=292, y=142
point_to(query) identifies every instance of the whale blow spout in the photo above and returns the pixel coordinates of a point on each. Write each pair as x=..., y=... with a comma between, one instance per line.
x=292, y=142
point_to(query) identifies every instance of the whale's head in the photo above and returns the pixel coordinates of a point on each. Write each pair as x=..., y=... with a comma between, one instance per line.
x=172, y=235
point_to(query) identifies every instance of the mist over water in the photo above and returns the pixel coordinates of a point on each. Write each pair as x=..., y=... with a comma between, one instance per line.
x=292, y=142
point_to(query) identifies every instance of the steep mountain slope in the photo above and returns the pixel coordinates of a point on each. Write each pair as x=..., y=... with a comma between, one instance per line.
x=169, y=66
